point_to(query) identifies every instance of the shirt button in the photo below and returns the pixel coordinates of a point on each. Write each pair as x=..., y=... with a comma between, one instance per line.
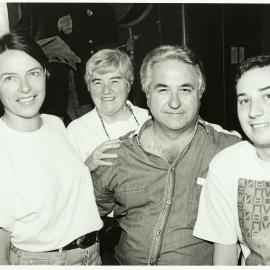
x=168, y=201
x=90, y=41
x=92, y=51
x=158, y=232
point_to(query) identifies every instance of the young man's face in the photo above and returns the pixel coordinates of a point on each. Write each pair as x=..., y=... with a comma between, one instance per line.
x=174, y=96
x=253, y=105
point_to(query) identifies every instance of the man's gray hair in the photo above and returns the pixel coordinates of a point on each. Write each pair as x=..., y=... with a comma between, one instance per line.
x=169, y=52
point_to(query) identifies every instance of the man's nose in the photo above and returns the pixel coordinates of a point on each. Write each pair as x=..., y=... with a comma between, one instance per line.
x=255, y=109
x=175, y=101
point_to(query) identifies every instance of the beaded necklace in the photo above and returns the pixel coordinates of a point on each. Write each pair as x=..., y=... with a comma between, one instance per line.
x=103, y=124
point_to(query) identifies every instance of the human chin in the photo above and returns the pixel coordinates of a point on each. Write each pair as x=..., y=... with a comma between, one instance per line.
x=262, y=143
x=173, y=125
x=30, y=106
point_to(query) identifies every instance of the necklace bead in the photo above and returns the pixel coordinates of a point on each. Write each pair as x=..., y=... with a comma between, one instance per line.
x=103, y=124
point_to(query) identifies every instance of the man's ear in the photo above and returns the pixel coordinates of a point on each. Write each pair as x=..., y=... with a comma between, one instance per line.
x=201, y=93
x=128, y=87
x=147, y=97
x=47, y=73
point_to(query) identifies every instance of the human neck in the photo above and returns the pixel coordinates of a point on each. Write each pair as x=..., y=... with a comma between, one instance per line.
x=169, y=137
x=263, y=153
x=167, y=145
x=22, y=124
x=123, y=114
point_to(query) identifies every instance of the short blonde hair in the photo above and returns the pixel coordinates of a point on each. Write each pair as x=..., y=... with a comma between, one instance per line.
x=110, y=60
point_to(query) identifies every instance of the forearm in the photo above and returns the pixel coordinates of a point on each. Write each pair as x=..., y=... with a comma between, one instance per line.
x=4, y=247
x=225, y=254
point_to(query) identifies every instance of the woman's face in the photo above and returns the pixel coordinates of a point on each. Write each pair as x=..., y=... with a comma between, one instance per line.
x=22, y=85
x=109, y=92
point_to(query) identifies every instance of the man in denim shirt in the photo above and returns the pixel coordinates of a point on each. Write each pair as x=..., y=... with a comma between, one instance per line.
x=154, y=185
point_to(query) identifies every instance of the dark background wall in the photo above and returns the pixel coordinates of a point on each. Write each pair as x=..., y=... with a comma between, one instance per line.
x=222, y=35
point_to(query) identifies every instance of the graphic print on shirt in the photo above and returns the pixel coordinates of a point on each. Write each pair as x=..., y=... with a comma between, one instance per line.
x=254, y=219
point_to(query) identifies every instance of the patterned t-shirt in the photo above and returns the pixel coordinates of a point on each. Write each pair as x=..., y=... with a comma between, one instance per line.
x=235, y=203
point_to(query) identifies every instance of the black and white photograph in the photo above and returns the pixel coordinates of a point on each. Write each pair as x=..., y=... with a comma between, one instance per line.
x=134, y=134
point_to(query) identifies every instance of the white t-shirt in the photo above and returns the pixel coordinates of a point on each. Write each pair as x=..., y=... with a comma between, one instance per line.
x=46, y=196
x=235, y=202
x=87, y=132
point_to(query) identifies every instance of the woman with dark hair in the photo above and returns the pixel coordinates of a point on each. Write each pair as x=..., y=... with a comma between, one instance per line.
x=48, y=213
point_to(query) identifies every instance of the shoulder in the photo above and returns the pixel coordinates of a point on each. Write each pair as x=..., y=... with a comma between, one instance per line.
x=83, y=120
x=127, y=137
x=220, y=136
x=137, y=109
x=141, y=113
x=231, y=155
x=52, y=119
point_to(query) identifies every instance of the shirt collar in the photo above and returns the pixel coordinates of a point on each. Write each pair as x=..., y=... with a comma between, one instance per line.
x=149, y=122
x=203, y=123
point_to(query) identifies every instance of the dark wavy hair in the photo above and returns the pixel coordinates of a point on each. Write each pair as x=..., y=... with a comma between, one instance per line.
x=259, y=61
x=17, y=41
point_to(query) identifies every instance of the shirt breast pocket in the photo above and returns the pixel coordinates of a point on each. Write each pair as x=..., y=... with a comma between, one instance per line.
x=194, y=200
x=131, y=203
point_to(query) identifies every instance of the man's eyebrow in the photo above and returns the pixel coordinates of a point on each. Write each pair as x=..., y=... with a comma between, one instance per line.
x=165, y=85
x=187, y=85
x=240, y=95
x=160, y=85
x=260, y=89
x=265, y=88
x=116, y=78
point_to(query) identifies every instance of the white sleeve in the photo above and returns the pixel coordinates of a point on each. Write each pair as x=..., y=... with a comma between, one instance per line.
x=216, y=214
x=73, y=137
x=7, y=209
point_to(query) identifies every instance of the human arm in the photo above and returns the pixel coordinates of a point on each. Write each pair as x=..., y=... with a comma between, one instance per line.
x=225, y=254
x=4, y=247
x=102, y=179
x=99, y=155
x=217, y=215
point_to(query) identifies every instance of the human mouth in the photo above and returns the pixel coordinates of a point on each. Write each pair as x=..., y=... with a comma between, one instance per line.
x=26, y=100
x=107, y=98
x=175, y=113
x=260, y=125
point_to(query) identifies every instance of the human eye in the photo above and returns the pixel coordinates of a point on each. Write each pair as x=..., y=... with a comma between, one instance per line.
x=162, y=89
x=9, y=78
x=96, y=82
x=115, y=81
x=267, y=96
x=243, y=101
x=35, y=73
x=186, y=90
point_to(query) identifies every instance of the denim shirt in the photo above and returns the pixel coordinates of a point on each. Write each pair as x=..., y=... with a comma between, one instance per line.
x=155, y=202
